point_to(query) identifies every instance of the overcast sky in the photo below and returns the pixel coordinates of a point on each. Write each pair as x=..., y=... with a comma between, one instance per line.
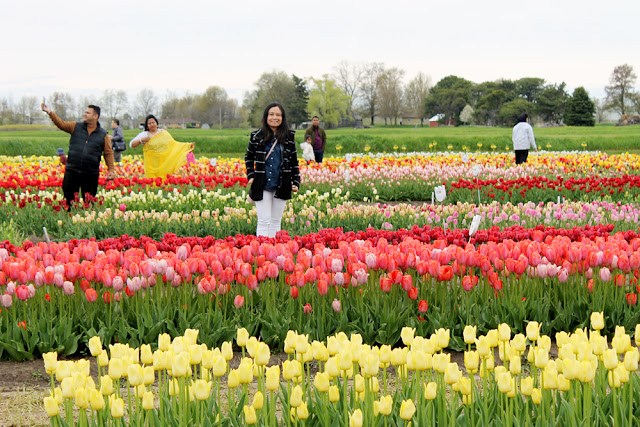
x=86, y=47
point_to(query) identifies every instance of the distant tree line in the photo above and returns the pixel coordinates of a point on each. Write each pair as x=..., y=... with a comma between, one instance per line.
x=356, y=93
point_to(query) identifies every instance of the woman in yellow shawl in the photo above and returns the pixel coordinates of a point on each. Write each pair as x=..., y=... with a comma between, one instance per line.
x=163, y=155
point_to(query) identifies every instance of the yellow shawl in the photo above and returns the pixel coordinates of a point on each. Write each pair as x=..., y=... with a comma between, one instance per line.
x=163, y=155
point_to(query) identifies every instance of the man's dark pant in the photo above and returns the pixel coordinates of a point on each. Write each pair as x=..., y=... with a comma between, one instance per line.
x=319, y=155
x=521, y=156
x=79, y=182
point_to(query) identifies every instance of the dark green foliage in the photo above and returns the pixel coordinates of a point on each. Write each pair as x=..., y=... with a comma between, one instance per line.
x=580, y=109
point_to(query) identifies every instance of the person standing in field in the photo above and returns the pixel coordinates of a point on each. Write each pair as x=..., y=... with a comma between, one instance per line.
x=118, y=143
x=318, y=138
x=307, y=150
x=88, y=143
x=272, y=169
x=163, y=155
x=523, y=139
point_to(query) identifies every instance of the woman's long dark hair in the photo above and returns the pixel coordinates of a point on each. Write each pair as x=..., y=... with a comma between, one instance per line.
x=146, y=121
x=283, y=130
x=523, y=117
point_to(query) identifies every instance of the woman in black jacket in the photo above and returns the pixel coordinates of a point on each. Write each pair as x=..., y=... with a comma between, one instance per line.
x=272, y=169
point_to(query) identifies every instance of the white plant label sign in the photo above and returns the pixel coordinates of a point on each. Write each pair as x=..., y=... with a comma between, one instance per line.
x=213, y=162
x=347, y=175
x=441, y=193
x=475, y=224
x=476, y=170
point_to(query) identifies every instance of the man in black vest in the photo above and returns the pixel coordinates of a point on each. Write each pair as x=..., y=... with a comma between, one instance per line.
x=87, y=144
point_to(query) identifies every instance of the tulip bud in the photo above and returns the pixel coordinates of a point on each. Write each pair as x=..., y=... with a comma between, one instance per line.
x=117, y=407
x=258, y=401
x=96, y=400
x=355, y=418
x=597, y=320
x=334, y=394
x=302, y=411
x=263, y=354
x=164, y=342
x=386, y=405
x=250, y=415
x=95, y=346
x=51, y=406
x=469, y=334
x=533, y=331
x=202, y=389
x=321, y=382
x=504, y=332
x=407, y=335
x=407, y=409
x=147, y=401
x=50, y=362
x=106, y=385
x=273, y=378
x=233, y=379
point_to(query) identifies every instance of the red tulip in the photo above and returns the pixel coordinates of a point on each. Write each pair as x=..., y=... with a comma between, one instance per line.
x=307, y=308
x=294, y=292
x=413, y=293
x=632, y=298
x=385, y=284
x=106, y=297
x=91, y=295
x=322, y=287
x=467, y=283
x=422, y=306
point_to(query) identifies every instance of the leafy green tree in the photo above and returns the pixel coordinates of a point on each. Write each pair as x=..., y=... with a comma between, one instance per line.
x=551, y=103
x=448, y=97
x=275, y=86
x=580, y=109
x=529, y=87
x=328, y=101
x=489, y=105
x=509, y=112
x=297, y=111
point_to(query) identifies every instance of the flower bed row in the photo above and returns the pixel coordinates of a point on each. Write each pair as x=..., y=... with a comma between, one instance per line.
x=370, y=286
x=506, y=378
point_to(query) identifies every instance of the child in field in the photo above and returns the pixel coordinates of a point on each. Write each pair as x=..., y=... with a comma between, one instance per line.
x=307, y=150
x=63, y=157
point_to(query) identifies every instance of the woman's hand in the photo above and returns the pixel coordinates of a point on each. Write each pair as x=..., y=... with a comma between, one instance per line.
x=294, y=188
x=250, y=182
x=193, y=145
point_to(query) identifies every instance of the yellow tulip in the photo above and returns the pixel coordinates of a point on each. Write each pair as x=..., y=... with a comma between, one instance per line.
x=295, y=399
x=452, y=373
x=407, y=409
x=440, y=362
x=430, y=390
x=321, y=382
x=398, y=357
x=637, y=335
x=252, y=346
x=273, y=378
x=96, y=400
x=64, y=369
x=562, y=338
x=471, y=361
x=245, y=371
x=564, y=384
x=234, y=379
x=258, y=401
x=50, y=362
x=117, y=407
x=544, y=341
x=134, y=373
x=334, y=393
x=504, y=382
x=492, y=337
x=332, y=367
x=103, y=359
x=385, y=354
x=116, y=369
x=302, y=343
x=526, y=386
x=219, y=366
x=263, y=354
x=51, y=406
x=208, y=359
x=519, y=343
x=148, y=375
x=201, y=389
x=385, y=405
x=550, y=378
x=504, y=332
x=631, y=360
x=407, y=334
x=610, y=359
x=290, y=369
x=81, y=398
x=164, y=342
x=533, y=331
x=174, y=387
x=147, y=401
x=346, y=359
x=95, y=345
x=515, y=365
x=536, y=396
x=469, y=334
x=597, y=320
x=195, y=354
x=178, y=345
x=67, y=388
x=302, y=411
x=587, y=372
x=570, y=368
x=541, y=357
x=464, y=385
x=191, y=336
x=372, y=365
x=250, y=415
x=443, y=336
x=482, y=346
x=290, y=342
x=227, y=350
x=623, y=374
x=614, y=379
x=355, y=418
x=106, y=385
x=621, y=343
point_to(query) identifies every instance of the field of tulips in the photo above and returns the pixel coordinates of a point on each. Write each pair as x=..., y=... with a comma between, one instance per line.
x=368, y=251
x=507, y=379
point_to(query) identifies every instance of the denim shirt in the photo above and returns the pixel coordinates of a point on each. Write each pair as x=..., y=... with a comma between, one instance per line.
x=272, y=166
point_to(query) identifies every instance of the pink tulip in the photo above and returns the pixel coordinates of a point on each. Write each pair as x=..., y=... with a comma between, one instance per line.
x=563, y=275
x=123, y=207
x=238, y=301
x=337, y=306
x=68, y=288
x=605, y=274
x=117, y=283
x=6, y=300
x=307, y=308
x=11, y=288
x=32, y=290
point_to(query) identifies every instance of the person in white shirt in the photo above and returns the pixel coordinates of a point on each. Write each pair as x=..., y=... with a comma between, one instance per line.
x=307, y=151
x=523, y=139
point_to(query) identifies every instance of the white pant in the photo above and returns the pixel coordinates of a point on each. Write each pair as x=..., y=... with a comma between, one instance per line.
x=270, y=210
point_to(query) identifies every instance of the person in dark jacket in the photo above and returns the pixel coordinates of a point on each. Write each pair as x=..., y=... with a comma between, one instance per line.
x=88, y=142
x=118, y=144
x=272, y=169
x=318, y=138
